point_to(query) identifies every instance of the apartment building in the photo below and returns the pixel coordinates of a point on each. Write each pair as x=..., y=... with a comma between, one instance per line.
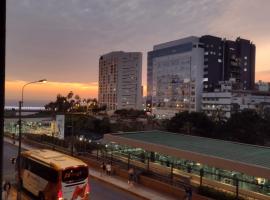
x=120, y=80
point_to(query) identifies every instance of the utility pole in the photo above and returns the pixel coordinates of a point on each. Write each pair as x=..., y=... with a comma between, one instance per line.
x=19, y=151
x=2, y=84
x=72, y=136
x=189, y=88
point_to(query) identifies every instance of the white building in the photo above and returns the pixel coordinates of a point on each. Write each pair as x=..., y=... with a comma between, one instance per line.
x=175, y=77
x=120, y=80
x=225, y=101
x=263, y=86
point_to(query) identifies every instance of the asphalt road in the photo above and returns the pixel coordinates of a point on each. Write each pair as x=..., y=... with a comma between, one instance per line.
x=99, y=190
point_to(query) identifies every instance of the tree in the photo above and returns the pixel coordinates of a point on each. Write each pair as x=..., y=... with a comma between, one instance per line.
x=70, y=95
x=59, y=105
x=246, y=127
x=195, y=123
x=176, y=123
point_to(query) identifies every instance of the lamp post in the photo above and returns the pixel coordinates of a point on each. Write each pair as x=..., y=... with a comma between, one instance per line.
x=20, y=136
x=2, y=83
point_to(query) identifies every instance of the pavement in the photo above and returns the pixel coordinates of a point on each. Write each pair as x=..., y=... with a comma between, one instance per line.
x=138, y=190
x=13, y=195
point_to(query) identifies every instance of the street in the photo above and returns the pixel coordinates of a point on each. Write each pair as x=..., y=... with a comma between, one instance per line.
x=99, y=190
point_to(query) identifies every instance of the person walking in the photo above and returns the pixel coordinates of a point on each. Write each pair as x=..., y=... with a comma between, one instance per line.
x=109, y=169
x=102, y=168
x=130, y=176
x=188, y=193
x=6, y=191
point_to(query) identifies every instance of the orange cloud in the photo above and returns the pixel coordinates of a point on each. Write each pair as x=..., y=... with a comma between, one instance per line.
x=49, y=90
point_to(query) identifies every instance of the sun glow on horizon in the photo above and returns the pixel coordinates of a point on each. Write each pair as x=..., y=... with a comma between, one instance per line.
x=49, y=90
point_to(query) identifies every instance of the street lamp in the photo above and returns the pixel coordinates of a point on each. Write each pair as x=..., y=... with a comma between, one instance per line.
x=20, y=135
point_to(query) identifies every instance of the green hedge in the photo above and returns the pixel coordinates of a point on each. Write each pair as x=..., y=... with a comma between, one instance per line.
x=81, y=146
x=48, y=139
x=216, y=194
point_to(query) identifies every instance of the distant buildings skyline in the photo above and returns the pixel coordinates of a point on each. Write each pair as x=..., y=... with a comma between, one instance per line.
x=217, y=52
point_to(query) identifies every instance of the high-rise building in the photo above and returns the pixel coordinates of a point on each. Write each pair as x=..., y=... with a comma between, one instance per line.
x=225, y=60
x=178, y=71
x=175, y=76
x=120, y=80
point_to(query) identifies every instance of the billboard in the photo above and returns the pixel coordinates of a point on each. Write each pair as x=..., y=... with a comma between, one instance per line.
x=60, y=126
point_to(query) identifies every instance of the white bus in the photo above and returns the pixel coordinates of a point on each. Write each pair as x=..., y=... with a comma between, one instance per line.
x=51, y=175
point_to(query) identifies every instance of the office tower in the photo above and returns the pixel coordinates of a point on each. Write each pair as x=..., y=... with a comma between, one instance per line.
x=225, y=60
x=120, y=80
x=175, y=76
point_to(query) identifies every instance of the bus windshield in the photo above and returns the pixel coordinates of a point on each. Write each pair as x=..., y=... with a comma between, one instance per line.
x=76, y=174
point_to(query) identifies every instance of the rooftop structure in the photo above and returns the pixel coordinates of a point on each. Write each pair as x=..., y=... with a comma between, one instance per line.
x=249, y=159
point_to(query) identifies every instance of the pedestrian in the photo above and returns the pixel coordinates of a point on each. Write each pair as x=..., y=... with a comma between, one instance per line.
x=188, y=193
x=102, y=169
x=130, y=176
x=13, y=138
x=189, y=169
x=7, y=187
x=136, y=174
x=108, y=169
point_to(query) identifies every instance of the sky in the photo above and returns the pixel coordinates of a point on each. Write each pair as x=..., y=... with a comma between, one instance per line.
x=61, y=40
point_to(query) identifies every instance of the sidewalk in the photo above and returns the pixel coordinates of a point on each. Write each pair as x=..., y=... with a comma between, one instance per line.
x=13, y=195
x=24, y=146
x=137, y=190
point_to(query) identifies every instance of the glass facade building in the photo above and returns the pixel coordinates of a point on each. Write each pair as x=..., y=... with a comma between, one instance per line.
x=175, y=74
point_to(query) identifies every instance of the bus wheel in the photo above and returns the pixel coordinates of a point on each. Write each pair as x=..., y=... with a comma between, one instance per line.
x=41, y=196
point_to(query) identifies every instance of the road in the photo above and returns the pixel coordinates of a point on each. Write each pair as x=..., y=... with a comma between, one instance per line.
x=99, y=190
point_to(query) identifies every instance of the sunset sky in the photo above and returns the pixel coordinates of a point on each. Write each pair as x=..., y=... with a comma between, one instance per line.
x=61, y=40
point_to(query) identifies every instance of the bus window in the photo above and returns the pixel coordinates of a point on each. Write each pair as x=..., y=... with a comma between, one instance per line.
x=76, y=174
x=42, y=171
